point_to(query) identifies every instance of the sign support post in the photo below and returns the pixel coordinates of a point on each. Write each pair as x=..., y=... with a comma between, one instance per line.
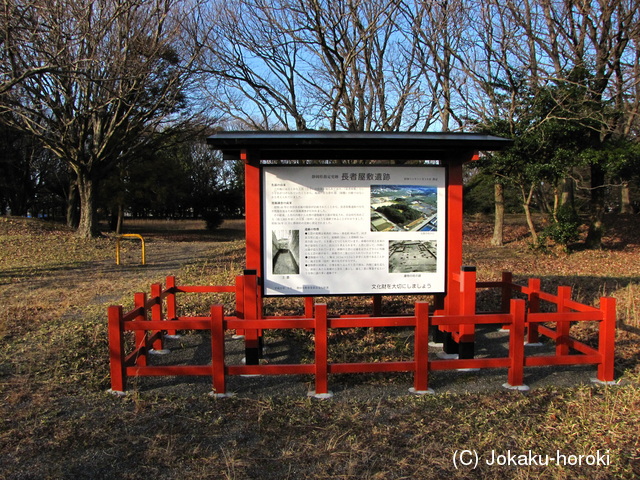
x=253, y=307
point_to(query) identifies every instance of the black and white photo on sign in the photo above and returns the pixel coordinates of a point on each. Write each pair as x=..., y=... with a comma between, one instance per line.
x=286, y=252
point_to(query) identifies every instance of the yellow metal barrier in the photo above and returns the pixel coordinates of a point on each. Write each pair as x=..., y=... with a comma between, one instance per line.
x=128, y=235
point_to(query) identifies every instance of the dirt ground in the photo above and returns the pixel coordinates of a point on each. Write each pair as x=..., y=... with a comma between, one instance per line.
x=58, y=421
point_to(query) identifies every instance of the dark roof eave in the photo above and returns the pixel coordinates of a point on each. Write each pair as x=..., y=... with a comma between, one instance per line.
x=354, y=145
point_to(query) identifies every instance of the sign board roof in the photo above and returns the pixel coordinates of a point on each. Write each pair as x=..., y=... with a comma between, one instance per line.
x=355, y=145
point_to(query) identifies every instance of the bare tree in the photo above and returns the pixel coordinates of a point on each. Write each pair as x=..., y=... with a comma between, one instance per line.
x=91, y=79
x=252, y=64
x=366, y=75
x=300, y=64
x=494, y=66
x=440, y=32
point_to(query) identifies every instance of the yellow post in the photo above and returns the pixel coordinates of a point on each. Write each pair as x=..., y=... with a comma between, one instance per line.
x=129, y=235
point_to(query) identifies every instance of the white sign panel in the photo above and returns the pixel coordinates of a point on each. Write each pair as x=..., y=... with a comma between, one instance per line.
x=353, y=230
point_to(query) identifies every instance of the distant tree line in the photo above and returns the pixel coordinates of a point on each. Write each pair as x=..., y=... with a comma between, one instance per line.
x=178, y=177
x=94, y=94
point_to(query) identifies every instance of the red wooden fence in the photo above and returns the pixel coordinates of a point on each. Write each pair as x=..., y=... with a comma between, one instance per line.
x=524, y=317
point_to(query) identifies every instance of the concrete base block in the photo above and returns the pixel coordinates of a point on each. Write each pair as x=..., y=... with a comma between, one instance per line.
x=428, y=391
x=604, y=382
x=447, y=356
x=164, y=351
x=220, y=395
x=520, y=388
x=320, y=396
x=117, y=393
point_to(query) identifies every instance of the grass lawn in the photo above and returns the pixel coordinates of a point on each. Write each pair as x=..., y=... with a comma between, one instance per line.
x=58, y=421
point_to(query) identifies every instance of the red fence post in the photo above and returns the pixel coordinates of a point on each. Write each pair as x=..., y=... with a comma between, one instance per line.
x=321, y=357
x=239, y=303
x=453, y=305
x=516, y=346
x=562, y=328
x=116, y=349
x=142, y=336
x=534, y=307
x=421, y=350
x=156, y=313
x=467, y=307
x=308, y=307
x=172, y=311
x=606, y=342
x=218, y=351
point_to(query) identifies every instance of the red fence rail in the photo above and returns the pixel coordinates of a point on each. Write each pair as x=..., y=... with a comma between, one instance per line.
x=526, y=321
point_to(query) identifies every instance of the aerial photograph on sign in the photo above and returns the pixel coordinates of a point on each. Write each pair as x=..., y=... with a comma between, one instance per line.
x=406, y=256
x=404, y=208
x=286, y=252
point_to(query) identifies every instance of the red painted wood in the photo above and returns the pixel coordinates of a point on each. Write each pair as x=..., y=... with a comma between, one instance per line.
x=271, y=323
x=565, y=317
x=467, y=304
x=365, y=322
x=283, y=369
x=479, y=319
x=437, y=365
x=562, y=326
x=142, y=336
x=252, y=215
x=218, y=350
x=172, y=312
x=239, y=302
x=556, y=360
x=156, y=314
x=376, y=367
x=116, y=349
x=308, y=307
x=607, y=339
x=251, y=312
x=173, y=370
x=516, y=344
x=321, y=345
x=421, y=348
x=534, y=307
x=134, y=363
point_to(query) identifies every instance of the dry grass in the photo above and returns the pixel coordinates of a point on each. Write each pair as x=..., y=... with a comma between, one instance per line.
x=59, y=422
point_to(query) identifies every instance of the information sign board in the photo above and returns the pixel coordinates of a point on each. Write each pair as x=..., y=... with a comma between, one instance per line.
x=342, y=230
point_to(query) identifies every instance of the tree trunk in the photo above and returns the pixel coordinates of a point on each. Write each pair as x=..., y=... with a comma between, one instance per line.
x=120, y=219
x=87, y=227
x=498, y=223
x=596, y=207
x=73, y=219
x=526, y=202
x=543, y=202
x=567, y=192
x=625, y=198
